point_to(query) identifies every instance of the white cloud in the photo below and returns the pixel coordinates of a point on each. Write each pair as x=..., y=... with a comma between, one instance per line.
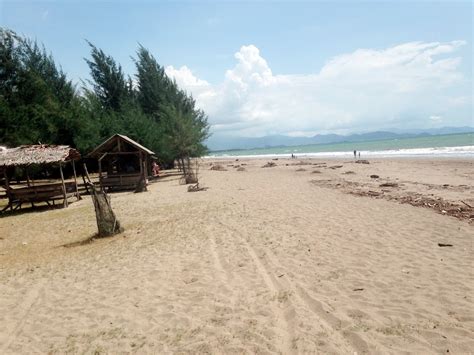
x=436, y=118
x=200, y=89
x=185, y=77
x=363, y=90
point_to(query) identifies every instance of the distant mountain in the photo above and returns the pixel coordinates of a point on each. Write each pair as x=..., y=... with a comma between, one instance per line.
x=231, y=143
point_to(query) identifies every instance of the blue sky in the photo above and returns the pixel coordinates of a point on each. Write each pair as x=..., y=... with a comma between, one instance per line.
x=293, y=68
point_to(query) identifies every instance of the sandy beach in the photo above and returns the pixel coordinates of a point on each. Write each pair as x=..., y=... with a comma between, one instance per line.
x=307, y=256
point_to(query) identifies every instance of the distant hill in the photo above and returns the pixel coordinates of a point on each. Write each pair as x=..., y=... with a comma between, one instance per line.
x=230, y=143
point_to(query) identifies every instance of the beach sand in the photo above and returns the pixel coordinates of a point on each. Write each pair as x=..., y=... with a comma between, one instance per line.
x=266, y=260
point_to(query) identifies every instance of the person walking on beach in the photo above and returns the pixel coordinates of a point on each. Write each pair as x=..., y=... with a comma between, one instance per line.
x=155, y=169
x=355, y=154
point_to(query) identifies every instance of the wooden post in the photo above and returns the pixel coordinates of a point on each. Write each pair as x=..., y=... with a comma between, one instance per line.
x=27, y=177
x=86, y=172
x=100, y=168
x=29, y=185
x=7, y=185
x=143, y=167
x=75, y=180
x=140, y=162
x=85, y=184
x=64, y=185
x=100, y=172
x=145, y=161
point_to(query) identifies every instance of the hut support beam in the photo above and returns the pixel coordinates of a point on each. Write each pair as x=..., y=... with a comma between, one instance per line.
x=30, y=183
x=27, y=177
x=75, y=180
x=100, y=168
x=64, y=185
x=7, y=187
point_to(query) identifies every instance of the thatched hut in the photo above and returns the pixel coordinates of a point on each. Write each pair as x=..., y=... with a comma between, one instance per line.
x=123, y=163
x=34, y=192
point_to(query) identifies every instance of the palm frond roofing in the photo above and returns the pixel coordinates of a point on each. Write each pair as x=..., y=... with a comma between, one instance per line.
x=105, y=146
x=37, y=154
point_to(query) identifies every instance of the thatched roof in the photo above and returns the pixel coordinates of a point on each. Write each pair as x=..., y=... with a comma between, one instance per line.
x=37, y=154
x=110, y=145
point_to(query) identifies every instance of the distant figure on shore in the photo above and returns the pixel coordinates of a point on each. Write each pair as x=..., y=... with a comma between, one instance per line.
x=293, y=156
x=355, y=154
x=156, y=168
x=359, y=155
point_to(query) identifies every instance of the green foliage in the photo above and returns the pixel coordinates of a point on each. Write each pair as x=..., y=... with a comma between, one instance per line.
x=108, y=80
x=183, y=133
x=38, y=103
x=152, y=84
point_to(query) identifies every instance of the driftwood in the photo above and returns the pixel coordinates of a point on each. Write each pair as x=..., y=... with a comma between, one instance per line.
x=218, y=167
x=107, y=223
x=196, y=188
x=468, y=205
x=191, y=179
x=389, y=184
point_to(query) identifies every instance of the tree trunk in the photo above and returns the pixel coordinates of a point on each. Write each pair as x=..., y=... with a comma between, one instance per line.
x=107, y=223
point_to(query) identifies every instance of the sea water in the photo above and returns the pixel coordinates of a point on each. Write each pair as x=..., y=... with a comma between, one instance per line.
x=449, y=145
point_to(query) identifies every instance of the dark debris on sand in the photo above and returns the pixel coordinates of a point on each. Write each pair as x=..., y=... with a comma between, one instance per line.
x=462, y=210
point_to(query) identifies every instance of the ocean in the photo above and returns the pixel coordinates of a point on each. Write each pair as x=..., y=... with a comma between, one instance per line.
x=449, y=145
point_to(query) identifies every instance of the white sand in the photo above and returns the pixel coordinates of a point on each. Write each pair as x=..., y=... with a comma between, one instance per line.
x=264, y=261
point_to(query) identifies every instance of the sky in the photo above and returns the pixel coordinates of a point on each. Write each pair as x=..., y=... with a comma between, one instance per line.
x=292, y=68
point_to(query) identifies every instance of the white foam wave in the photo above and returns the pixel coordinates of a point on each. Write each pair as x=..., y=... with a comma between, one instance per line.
x=454, y=152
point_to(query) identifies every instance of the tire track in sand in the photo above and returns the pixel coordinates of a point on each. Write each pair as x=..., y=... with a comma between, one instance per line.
x=229, y=284
x=31, y=299
x=285, y=316
x=349, y=341
x=222, y=270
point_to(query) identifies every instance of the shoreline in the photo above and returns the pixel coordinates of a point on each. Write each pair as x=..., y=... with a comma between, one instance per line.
x=436, y=152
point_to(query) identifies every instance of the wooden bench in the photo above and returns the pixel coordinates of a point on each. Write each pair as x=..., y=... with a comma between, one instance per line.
x=120, y=181
x=38, y=193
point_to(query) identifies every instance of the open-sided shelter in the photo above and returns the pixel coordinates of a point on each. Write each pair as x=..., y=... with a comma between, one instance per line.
x=35, y=192
x=123, y=163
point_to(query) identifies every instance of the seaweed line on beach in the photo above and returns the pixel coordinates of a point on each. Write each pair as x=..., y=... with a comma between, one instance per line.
x=462, y=210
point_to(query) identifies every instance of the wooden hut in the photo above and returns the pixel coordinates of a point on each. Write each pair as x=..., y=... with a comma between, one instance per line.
x=123, y=163
x=40, y=191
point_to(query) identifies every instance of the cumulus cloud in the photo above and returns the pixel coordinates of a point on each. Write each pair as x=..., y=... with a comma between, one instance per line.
x=363, y=90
